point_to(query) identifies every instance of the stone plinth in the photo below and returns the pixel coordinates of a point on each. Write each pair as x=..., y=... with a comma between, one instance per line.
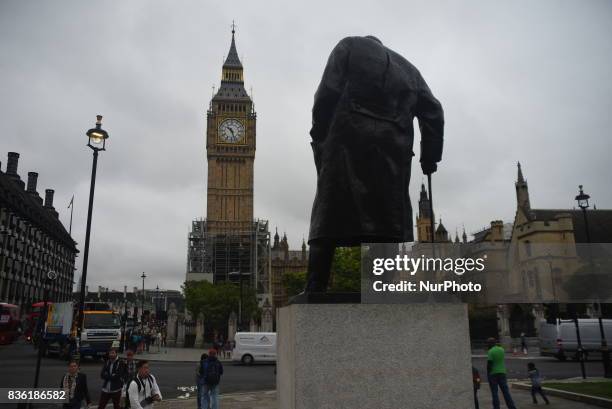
x=363, y=356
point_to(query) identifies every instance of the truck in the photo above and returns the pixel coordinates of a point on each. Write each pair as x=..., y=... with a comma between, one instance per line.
x=101, y=330
x=560, y=341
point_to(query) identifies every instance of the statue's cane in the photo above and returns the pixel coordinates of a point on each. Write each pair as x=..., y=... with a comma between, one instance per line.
x=431, y=218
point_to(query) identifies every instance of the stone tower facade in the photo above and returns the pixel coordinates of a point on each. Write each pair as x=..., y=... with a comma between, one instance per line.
x=423, y=220
x=230, y=151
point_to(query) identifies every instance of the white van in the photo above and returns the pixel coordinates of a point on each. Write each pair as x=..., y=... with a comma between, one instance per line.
x=559, y=340
x=254, y=347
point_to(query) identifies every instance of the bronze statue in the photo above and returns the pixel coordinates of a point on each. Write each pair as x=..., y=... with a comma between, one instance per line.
x=362, y=136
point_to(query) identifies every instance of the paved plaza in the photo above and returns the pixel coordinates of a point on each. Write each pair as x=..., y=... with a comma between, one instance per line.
x=267, y=400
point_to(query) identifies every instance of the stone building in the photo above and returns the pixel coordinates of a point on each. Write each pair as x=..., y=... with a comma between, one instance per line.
x=529, y=259
x=284, y=261
x=156, y=302
x=33, y=242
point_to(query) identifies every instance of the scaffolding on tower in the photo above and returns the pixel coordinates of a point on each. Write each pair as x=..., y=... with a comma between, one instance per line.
x=224, y=257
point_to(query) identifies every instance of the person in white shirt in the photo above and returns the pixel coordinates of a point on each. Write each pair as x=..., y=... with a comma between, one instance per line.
x=143, y=390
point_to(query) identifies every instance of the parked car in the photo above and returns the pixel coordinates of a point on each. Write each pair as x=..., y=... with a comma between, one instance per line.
x=560, y=340
x=254, y=347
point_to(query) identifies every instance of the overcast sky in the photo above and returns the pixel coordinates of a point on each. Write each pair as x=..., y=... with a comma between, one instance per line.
x=518, y=80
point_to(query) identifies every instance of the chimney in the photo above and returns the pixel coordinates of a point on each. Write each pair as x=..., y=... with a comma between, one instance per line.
x=124, y=292
x=497, y=230
x=49, y=202
x=11, y=168
x=32, y=181
x=11, y=164
x=49, y=198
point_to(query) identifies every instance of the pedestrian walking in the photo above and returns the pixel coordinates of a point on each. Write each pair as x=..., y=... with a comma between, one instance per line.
x=142, y=391
x=130, y=373
x=113, y=373
x=211, y=371
x=536, y=383
x=153, y=336
x=200, y=379
x=159, y=340
x=476, y=384
x=147, y=339
x=74, y=384
x=496, y=374
x=523, y=343
x=130, y=366
x=227, y=349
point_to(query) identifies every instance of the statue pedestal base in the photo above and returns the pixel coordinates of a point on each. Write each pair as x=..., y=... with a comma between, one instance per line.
x=363, y=356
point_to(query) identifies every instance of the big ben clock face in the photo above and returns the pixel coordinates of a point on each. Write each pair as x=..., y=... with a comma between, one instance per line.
x=231, y=131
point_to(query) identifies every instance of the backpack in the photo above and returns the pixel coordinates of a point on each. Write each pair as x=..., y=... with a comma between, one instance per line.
x=211, y=372
x=127, y=390
x=127, y=404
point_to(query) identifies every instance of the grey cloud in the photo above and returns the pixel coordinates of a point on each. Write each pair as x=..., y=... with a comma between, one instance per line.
x=518, y=80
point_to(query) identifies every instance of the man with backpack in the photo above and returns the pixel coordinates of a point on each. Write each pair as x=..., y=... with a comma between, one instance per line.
x=113, y=375
x=211, y=376
x=142, y=391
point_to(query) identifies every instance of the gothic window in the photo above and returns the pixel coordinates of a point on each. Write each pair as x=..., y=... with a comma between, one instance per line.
x=528, y=248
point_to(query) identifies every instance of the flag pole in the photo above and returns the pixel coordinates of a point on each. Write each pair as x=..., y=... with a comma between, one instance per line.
x=71, y=206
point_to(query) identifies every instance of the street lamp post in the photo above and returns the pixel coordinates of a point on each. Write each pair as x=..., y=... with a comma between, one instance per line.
x=157, y=303
x=143, y=276
x=97, y=142
x=123, y=326
x=583, y=202
x=241, y=293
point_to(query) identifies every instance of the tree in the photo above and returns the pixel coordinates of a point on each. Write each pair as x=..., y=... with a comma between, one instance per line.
x=346, y=270
x=590, y=282
x=217, y=301
x=345, y=277
x=294, y=282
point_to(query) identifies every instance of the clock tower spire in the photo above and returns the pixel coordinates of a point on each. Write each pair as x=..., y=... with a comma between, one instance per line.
x=230, y=239
x=230, y=150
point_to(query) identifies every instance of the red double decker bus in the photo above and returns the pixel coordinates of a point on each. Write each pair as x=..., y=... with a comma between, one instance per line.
x=9, y=323
x=32, y=319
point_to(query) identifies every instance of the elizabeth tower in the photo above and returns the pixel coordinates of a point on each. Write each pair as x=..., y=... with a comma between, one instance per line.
x=230, y=151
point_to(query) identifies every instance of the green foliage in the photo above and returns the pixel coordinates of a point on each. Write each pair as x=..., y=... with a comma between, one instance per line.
x=217, y=301
x=591, y=281
x=294, y=282
x=346, y=270
x=346, y=273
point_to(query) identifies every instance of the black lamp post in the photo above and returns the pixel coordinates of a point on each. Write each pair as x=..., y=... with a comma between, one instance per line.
x=97, y=142
x=123, y=326
x=143, y=276
x=157, y=303
x=583, y=202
